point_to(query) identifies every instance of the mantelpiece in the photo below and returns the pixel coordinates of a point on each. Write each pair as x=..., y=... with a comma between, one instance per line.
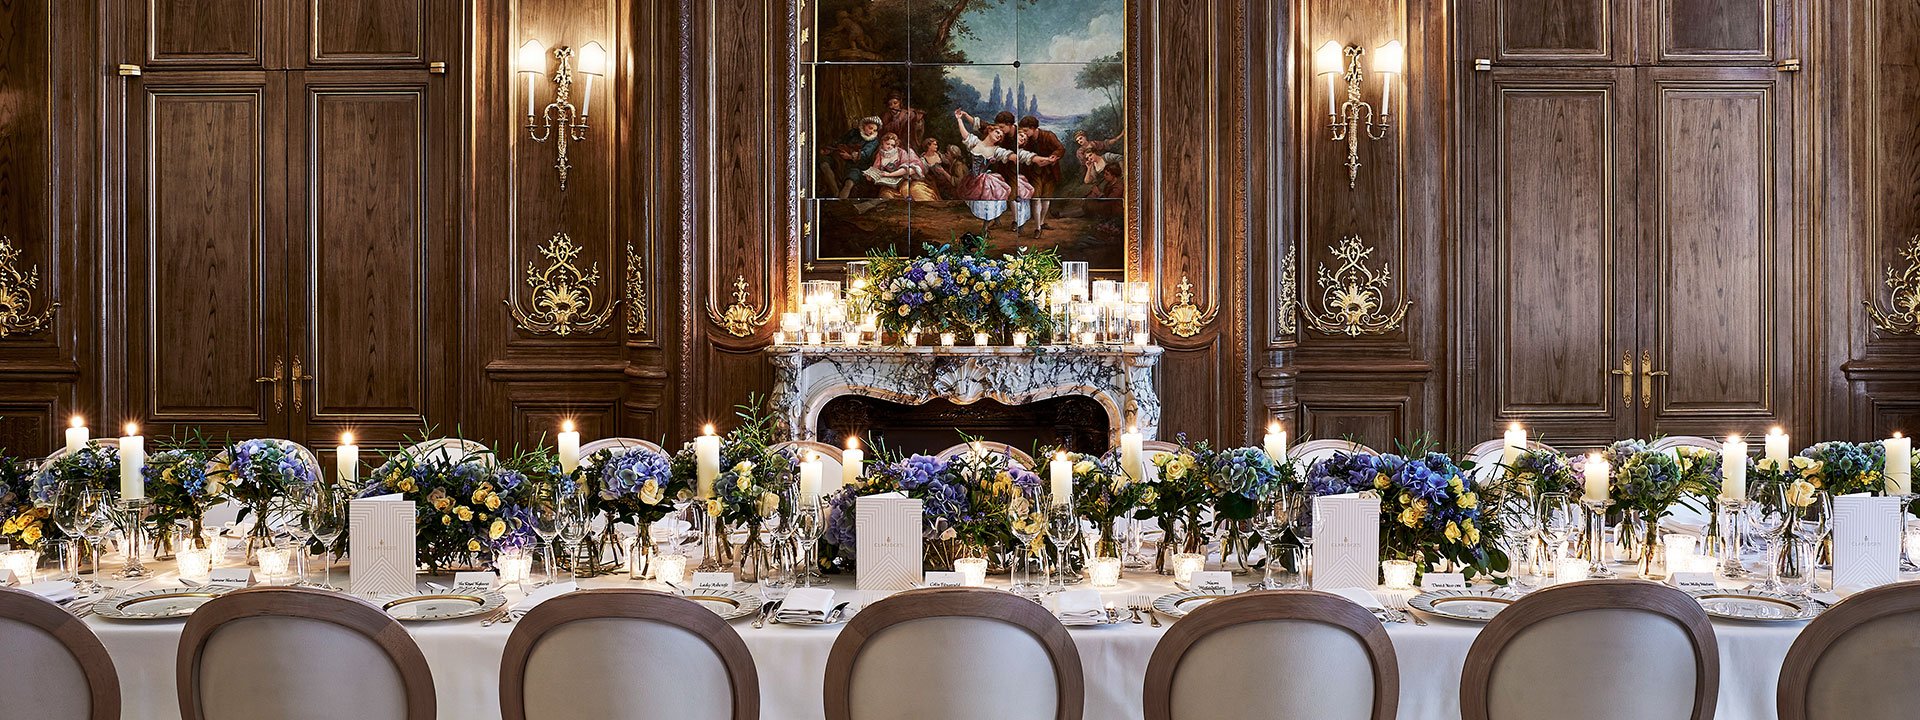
x=1120, y=378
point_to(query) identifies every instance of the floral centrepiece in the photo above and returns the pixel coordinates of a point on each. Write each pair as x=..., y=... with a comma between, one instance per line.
x=632, y=485
x=179, y=490
x=960, y=287
x=261, y=474
x=465, y=510
x=754, y=476
x=23, y=522
x=1177, y=494
x=1431, y=509
x=963, y=501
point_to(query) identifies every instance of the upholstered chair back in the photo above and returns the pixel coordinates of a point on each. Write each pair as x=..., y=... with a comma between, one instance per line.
x=55, y=669
x=1286, y=653
x=1855, y=661
x=626, y=653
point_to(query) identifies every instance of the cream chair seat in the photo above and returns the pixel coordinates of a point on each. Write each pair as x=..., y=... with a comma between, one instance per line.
x=626, y=653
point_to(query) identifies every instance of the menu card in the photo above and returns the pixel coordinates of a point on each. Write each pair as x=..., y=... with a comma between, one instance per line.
x=380, y=531
x=1866, y=540
x=1346, y=541
x=888, y=545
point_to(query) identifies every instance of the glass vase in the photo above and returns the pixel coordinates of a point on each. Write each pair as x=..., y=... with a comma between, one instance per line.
x=755, y=558
x=1652, y=551
x=716, y=548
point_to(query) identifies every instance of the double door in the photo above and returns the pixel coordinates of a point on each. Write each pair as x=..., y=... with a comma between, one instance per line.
x=1633, y=208
x=289, y=237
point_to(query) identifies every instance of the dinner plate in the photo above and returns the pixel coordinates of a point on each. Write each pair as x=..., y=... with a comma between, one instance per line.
x=1472, y=605
x=1755, y=605
x=728, y=604
x=426, y=607
x=161, y=604
x=1177, y=605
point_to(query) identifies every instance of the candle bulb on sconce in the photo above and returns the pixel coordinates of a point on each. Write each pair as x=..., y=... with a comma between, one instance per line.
x=561, y=121
x=1356, y=117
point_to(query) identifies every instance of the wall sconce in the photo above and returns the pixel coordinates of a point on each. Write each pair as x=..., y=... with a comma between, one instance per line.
x=561, y=121
x=1346, y=119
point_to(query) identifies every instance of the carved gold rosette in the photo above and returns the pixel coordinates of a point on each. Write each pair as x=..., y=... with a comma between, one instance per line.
x=1902, y=314
x=562, y=293
x=17, y=316
x=1353, y=297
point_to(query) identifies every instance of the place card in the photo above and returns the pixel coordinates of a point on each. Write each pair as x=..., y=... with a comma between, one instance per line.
x=1443, y=581
x=942, y=578
x=1346, y=547
x=1691, y=581
x=1213, y=581
x=713, y=580
x=473, y=581
x=887, y=544
x=1866, y=540
x=7, y=578
x=235, y=576
x=380, y=531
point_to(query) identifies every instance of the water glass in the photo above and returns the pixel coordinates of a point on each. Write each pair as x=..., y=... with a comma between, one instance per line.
x=1288, y=567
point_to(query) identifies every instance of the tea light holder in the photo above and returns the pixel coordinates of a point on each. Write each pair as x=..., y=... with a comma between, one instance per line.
x=195, y=564
x=670, y=568
x=516, y=567
x=1399, y=574
x=1186, y=564
x=980, y=339
x=1104, y=572
x=1681, y=549
x=216, y=545
x=1019, y=339
x=973, y=571
x=275, y=561
x=816, y=338
x=21, y=562
x=1571, y=570
x=946, y=339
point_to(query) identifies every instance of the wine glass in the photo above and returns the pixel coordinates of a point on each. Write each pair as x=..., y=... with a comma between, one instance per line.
x=807, y=528
x=97, y=521
x=70, y=514
x=777, y=575
x=1766, y=519
x=1299, y=513
x=1270, y=523
x=1027, y=521
x=546, y=525
x=1063, y=526
x=1558, y=520
x=326, y=521
x=573, y=529
x=295, y=506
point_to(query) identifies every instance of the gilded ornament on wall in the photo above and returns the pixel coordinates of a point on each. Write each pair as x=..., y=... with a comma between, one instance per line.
x=562, y=293
x=636, y=293
x=1185, y=318
x=741, y=318
x=1902, y=314
x=1353, y=297
x=1290, y=292
x=17, y=316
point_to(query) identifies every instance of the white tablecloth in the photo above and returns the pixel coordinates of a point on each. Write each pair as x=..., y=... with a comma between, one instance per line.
x=465, y=659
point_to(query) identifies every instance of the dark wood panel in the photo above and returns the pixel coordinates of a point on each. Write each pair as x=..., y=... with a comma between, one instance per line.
x=1190, y=390
x=1555, y=31
x=1892, y=194
x=25, y=169
x=1718, y=30
x=207, y=281
x=366, y=32
x=206, y=32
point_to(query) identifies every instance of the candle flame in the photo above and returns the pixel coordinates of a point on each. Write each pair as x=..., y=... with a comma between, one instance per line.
x=1133, y=429
x=346, y=438
x=1060, y=455
x=707, y=429
x=1514, y=427
x=566, y=426
x=1896, y=435
x=133, y=428
x=1273, y=428
x=813, y=456
x=853, y=443
x=1777, y=430
x=1734, y=438
x=77, y=421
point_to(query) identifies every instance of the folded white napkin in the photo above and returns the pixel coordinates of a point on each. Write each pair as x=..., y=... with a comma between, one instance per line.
x=543, y=594
x=1080, y=607
x=1360, y=596
x=55, y=590
x=806, y=605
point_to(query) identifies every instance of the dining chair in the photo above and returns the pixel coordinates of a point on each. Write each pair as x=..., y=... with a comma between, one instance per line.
x=1016, y=455
x=451, y=449
x=1312, y=452
x=1672, y=442
x=1594, y=650
x=590, y=449
x=1274, y=654
x=57, y=668
x=830, y=458
x=626, y=653
x=1855, y=661
x=299, y=654
x=927, y=654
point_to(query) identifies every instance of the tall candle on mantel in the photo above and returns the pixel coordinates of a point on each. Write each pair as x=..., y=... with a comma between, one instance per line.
x=1062, y=477
x=133, y=457
x=851, y=461
x=1276, y=442
x=1899, y=465
x=706, y=456
x=1733, y=470
x=346, y=461
x=1777, y=445
x=1515, y=443
x=569, y=442
x=1131, y=456
x=1597, y=473
x=76, y=434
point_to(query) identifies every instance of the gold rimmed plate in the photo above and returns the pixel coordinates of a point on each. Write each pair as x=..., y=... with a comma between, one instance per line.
x=728, y=604
x=427, y=607
x=1465, y=605
x=162, y=604
x=1177, y=605
x=1755, y=605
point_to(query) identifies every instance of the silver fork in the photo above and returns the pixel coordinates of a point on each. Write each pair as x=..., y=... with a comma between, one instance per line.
x=1145, y=604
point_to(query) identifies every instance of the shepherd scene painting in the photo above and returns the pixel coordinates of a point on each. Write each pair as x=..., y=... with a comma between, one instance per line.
x=934, y=118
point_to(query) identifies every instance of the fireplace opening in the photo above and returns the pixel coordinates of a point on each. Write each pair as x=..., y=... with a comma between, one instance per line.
x=1075, y=422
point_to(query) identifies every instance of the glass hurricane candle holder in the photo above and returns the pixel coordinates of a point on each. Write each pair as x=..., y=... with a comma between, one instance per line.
x=946, y=339
x=671, y=569
x=276, y=561
x=1681, y=548
x=516, y=567
x=1398, y=574
x=1571, y=570
x=980, y=339
x=195, y=564
x=21, y=562
x=216, y=545
x=1186, y=564
x=1104, y=572
x=1019, y=339
x=973, y=571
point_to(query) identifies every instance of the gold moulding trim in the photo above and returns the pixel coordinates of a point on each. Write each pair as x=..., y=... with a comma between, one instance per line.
x=740, y=319
x=1352, y=297
x=1290, y=292
x=562, y=294
x=17, y=286
x=636, y=292
x=1186, y=319
x=1902, y=315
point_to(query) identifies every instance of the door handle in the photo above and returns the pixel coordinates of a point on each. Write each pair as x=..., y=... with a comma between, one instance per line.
x=279, y=373
x=1625, y=372
x=300, y=377
x=1647, y=374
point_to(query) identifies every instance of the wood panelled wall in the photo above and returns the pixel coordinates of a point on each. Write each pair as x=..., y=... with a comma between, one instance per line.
x=395, y=213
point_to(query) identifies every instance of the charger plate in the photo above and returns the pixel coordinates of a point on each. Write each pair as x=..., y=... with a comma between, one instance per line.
x=728, y=604
x=1755, y=605
x=161, y=604
x=1177, y=605
x=1470, y=605
x=426, y=607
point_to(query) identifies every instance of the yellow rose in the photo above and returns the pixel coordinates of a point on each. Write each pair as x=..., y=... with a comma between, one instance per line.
x=465, y=513
x=742, y=483
x=1455, y=484
x=1453, y=532
x=1409, y=518
x=480, y=493
x=743, y=467
x=651, y=493
x=473, y=546
x=1468, y=500
x=1147, y=497
x=406, y=485
x=30, y=535
x=769, y=504
x=1382, y=481
x=1472, y=533
x=493, y=502
x=499, y=528
x=1083, y=467
x=1768, y=465
x=713, y=507
x=1800, y=493
x=446, y=519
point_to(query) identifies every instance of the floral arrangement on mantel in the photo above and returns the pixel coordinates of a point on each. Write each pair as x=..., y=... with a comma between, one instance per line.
x=1431, y=508
x=960, y=287
x=467, y=508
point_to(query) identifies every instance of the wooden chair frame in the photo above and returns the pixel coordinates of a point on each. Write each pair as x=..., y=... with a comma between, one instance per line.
x=588, y=450
x=103, y=682
x=627, y=604
x=1559, y=600
x=1819, y=636
x=1307, y=605
x=292, y=602
x=1069, y=681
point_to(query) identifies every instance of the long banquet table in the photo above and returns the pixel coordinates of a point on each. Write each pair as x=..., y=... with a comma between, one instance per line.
x=465, y=657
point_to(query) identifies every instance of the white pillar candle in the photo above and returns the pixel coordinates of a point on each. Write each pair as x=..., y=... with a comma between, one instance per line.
x=1899, y=464
x=810, y=477
x=195, y=564
x=851, y=461
x=133, y=457
x=1597, y=473
x=1777, y=445
x=706, y=456
x=346, y=461
x=1515, y=444
x=1398, y=574
x=1104, y=572
x=1132, y=458
x=1186, y=564
x=76, y=434
x=569, y=442
x=973, y=571
x=670, y=568
x=1276, y=442
x=1733, y=470
x=1061, y=471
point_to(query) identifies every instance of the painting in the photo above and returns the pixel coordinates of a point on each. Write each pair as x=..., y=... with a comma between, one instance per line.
x=932, y=118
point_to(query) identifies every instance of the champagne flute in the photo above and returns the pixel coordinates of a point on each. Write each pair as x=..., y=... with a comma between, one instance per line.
x=1027, y=522
x=1063, y=526
x=1269, y=522
x=327, y=521
x=546, y=525
x=1557, y=522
